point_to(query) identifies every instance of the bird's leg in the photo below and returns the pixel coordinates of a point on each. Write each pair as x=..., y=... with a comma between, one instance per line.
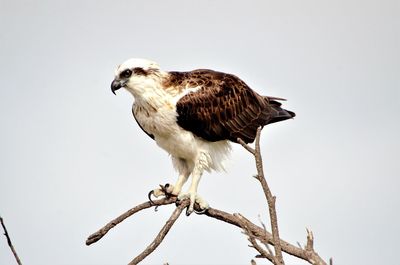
x=192, y=192
x=167, y=190
x=183, y=177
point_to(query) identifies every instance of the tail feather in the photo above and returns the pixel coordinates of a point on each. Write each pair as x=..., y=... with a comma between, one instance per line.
x=278, y=113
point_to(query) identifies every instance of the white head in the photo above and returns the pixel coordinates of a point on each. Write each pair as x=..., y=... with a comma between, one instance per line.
x=136, y=75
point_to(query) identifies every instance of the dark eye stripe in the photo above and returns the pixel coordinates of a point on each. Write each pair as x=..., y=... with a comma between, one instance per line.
x=139, y=71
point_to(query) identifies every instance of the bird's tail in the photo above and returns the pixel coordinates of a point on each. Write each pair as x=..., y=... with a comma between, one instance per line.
x=278, y=113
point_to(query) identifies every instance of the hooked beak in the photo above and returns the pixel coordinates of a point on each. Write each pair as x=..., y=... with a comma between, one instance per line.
x=116, y=84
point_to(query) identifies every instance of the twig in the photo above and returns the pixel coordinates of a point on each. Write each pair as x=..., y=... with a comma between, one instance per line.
x=310, y=240
x=246, y=146
x=268, y=255
x=9, y=242
x=265, y=230
x=265, y=237
x=263, y=253
x=270, y=198
x=309, y=248
x=104, y=230
x=163, y=232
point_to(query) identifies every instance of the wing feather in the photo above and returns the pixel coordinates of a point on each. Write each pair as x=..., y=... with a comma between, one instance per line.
x=224, y=108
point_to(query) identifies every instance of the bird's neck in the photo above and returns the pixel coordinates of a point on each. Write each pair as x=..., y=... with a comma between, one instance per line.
x=152, y=94
x=152, y=98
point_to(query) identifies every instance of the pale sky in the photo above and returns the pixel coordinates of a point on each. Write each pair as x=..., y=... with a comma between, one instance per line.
x=73, y=157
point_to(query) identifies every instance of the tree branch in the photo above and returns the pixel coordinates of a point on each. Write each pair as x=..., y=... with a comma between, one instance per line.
x=253, y=231
x=163, y=232
x=264, y=236
x=9, y=241
x=104, y=230
x=268, y=255
x=246, y=146
x=270, y=200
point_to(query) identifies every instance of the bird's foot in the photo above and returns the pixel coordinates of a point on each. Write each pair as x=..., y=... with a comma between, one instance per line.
x=163, y=190
x=194, y=198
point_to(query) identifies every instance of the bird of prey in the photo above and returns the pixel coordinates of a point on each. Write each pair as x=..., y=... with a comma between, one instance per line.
x=194, y=116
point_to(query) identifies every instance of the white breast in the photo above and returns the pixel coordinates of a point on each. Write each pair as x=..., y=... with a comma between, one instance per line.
x=157, y=115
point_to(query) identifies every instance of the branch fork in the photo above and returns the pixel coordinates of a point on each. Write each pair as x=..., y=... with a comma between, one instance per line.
x=259, y=238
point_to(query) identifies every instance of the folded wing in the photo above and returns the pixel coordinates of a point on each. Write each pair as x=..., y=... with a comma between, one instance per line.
x=225, y=108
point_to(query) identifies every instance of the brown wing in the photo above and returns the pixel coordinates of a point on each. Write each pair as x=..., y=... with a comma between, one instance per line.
x=224, y=108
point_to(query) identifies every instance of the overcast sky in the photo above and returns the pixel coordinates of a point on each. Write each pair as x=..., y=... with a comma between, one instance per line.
x=73, y=158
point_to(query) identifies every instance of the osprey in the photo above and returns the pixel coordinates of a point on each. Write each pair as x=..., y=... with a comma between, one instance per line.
x=194, y=116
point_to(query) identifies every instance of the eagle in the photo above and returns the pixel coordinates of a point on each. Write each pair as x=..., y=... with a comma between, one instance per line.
x=194, y=116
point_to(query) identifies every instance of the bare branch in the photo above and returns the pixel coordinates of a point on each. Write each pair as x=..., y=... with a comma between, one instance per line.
x=104, y=230
x=264, y=236
x=263, y=253
x=310, y=240
x=254, y=232
x=268, y=255
x=163, y=232
x=298, y=243
x=270, y=199
x=265, y=230
x=246, y=146
x=9, y=242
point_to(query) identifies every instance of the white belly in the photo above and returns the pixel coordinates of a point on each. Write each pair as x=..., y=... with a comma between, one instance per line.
x=182, y=144
x=167, y=133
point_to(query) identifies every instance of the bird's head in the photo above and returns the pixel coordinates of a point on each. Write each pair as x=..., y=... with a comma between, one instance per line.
x=136, y=75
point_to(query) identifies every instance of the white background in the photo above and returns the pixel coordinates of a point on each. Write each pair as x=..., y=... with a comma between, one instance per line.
x=72, y=157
